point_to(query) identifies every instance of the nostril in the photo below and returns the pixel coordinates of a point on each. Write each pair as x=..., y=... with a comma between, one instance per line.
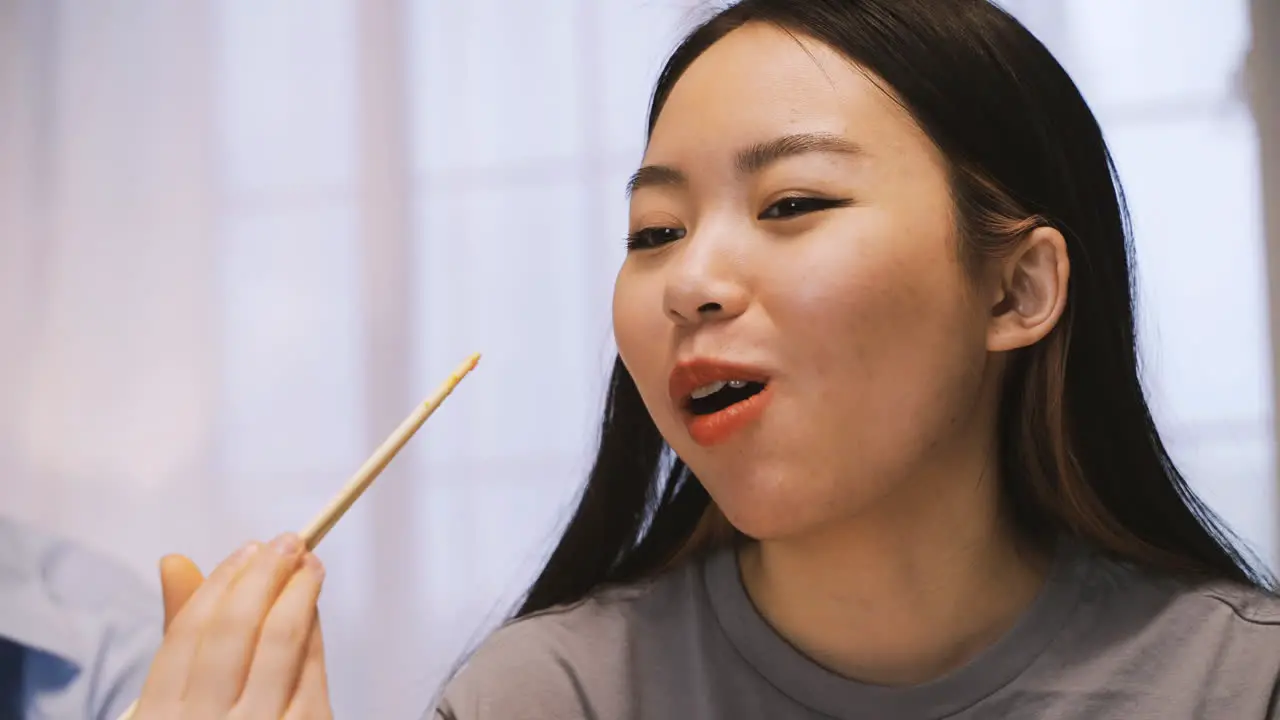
x=710, y=307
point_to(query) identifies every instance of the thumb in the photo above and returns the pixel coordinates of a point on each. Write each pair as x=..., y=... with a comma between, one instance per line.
x=179, y=580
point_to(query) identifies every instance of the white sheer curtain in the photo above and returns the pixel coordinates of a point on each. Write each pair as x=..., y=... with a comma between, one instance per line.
x=238, y=241
x=522, y=152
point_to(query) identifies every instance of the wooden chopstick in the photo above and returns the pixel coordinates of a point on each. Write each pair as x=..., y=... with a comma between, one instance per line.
x=369, y=471
x=365, y=476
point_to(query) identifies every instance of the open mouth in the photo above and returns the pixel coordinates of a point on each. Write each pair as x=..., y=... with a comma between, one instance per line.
x=721, y=395
x=719, y=399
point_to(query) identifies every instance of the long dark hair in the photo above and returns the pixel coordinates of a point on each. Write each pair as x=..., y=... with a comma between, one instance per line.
x=1079, y=452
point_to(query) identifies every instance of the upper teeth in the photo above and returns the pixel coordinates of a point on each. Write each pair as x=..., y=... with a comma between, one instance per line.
x=716, y=387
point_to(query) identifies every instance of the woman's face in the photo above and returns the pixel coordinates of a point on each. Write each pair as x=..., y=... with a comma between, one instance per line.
x=793, y=238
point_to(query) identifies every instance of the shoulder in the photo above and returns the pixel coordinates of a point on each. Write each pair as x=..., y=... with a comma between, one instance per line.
x=568, y=662
x=1232, y=628
x=1216, y=607
x=80, y=609
x=1248, y=616
x=1232, y=631
x=85, y=582
x=1223, y=639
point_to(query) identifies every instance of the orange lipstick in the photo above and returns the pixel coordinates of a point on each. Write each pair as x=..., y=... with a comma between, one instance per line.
x=717, y=427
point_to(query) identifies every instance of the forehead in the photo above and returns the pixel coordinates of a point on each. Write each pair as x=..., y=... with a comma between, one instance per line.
x=760, y=82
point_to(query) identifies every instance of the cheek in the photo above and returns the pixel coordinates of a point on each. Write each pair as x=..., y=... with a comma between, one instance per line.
x=638, y=322
x=884, y=320
x=642, y=333
x=866, y=280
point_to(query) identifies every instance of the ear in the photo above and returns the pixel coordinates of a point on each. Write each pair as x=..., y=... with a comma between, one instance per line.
x=1031, y=291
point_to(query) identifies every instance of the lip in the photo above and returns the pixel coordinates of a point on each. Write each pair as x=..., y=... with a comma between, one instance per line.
x=718, y=427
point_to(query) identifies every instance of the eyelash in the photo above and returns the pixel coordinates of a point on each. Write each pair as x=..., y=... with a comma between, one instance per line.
x=784, y=209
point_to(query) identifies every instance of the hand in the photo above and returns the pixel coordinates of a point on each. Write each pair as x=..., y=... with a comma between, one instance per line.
x=245, y=643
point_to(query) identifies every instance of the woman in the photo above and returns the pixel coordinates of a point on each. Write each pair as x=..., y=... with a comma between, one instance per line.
x=875, y=445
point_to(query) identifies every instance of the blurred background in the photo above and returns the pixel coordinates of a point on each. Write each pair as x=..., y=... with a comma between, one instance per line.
x=240, y=240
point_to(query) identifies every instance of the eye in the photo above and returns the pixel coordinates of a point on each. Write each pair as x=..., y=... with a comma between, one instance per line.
x=790, y=207
x=652, y=237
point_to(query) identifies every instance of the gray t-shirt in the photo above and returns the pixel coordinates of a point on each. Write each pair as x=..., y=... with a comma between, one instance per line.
x=1102, y=641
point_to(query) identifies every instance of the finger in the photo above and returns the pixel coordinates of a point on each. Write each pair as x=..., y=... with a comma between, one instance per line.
x=226, y=649
x=311, y=699
x=283, y=645
x=167, y=678
x=179, y=580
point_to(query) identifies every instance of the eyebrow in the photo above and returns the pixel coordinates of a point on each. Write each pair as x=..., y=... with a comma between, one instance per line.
x=751, y=159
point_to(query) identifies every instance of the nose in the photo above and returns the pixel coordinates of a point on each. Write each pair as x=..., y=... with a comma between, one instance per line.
x=704, y=284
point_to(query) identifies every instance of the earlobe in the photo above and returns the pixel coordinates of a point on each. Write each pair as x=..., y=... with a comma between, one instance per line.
x=1032, y=293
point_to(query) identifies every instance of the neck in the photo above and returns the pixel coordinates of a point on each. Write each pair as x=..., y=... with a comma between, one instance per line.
x=906, y=592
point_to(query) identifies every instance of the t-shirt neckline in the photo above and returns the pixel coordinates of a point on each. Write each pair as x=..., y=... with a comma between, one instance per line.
x=826, y=692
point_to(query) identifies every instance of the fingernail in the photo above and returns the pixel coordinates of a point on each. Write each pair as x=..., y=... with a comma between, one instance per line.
x=247, y=551
x=313, y=564
x=287, y=544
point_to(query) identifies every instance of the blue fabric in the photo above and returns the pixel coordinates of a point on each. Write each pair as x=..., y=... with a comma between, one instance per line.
x=77, y=631
x=11, y=655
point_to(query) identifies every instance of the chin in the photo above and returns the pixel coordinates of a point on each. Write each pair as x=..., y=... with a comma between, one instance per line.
x=786, y=498
x=767, y=510
x=769, y=525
